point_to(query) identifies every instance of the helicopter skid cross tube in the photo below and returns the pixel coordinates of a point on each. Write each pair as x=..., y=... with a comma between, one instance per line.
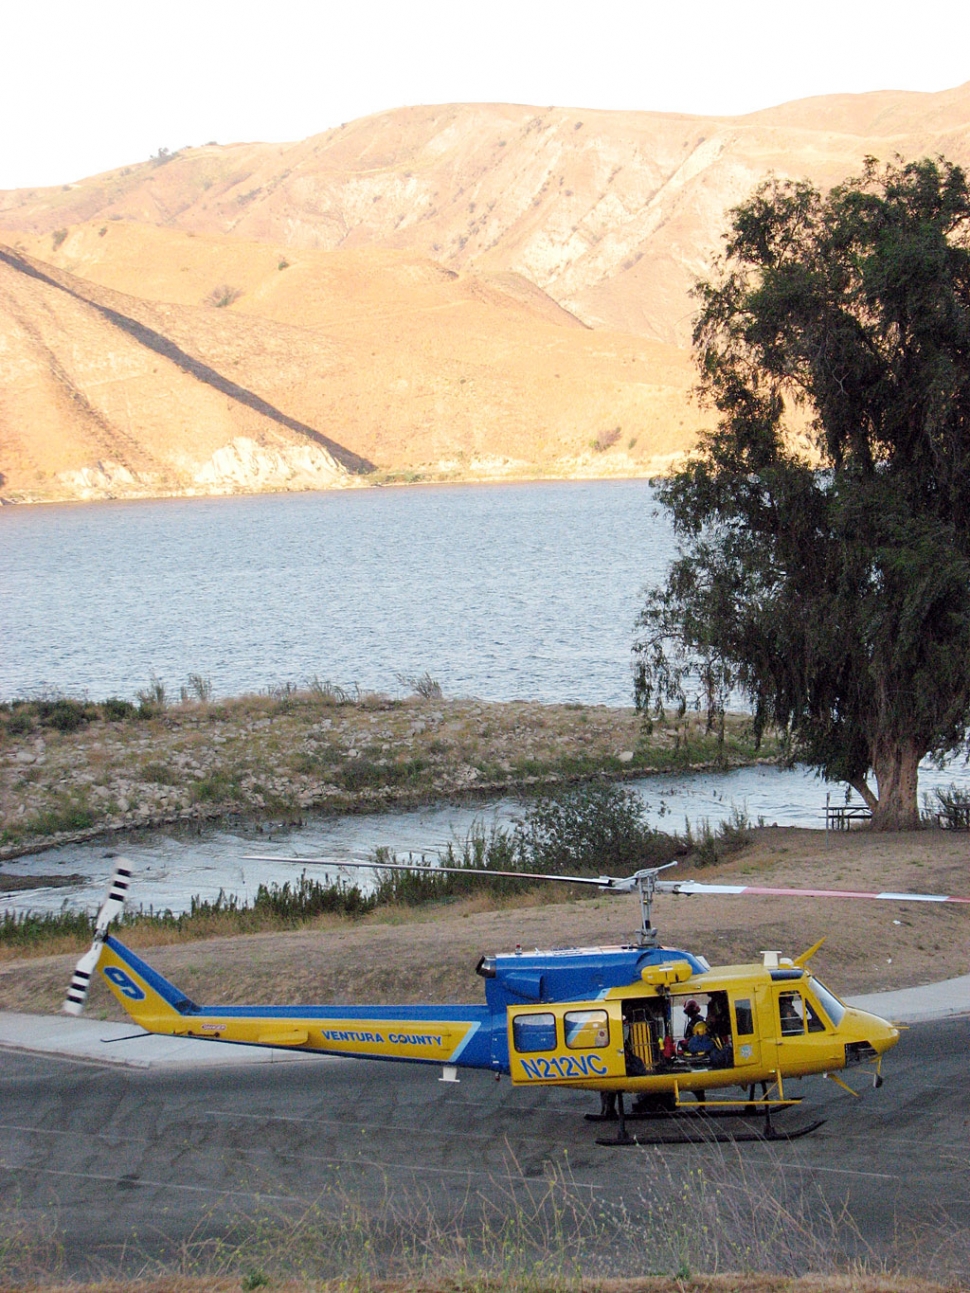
x=702, y=1109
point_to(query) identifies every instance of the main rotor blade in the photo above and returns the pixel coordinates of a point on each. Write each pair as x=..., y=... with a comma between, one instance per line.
x=618, y=884
x=695, y=886
x=602, y=882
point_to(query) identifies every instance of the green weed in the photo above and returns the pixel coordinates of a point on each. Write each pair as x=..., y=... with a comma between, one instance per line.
x=714, y=844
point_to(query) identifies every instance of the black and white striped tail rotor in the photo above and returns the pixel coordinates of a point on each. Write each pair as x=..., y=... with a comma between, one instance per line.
x=114, y=904
x=111, y=909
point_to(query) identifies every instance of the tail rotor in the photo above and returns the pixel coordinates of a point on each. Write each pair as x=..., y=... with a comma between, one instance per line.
x=111, y=909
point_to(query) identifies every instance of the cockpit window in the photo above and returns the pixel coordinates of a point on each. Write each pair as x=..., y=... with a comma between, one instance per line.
x=829, y=1002
x=791, y=1012
x=815, y=1022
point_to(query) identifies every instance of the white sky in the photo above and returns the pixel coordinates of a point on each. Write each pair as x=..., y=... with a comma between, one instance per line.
x=87, y=85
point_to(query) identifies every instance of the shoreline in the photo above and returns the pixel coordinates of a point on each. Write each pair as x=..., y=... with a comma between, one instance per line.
x=279, y=758
x=383, y=478
x=388, y=800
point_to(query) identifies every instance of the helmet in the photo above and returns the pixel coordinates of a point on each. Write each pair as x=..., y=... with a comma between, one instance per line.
x=692, y=1008
x=700, y=1028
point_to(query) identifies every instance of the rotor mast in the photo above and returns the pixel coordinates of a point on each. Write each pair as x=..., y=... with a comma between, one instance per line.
x=646, y=885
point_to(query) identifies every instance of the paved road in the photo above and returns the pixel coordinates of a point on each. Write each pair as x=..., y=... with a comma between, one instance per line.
x=122, y=1165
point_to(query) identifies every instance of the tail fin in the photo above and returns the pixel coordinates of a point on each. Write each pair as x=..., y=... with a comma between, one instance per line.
x=154, y=1003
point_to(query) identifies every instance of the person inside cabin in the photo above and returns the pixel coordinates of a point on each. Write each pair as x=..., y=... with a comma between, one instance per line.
x=709, y=1040
x=718, y=1020
x=719, y=1030
x=700, y=1044
x=692, y=1012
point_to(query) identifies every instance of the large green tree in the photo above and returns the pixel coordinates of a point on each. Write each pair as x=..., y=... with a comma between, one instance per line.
x=823, y=563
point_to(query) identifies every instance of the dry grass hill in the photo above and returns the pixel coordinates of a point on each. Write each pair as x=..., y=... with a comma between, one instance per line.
x=468, y=291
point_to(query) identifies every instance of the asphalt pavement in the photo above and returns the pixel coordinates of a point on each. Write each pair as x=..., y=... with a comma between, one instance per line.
x=121, y=1152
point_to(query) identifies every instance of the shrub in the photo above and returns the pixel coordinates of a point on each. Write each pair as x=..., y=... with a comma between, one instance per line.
x=364, y=774
x=594, y=828
x=67, y=813
x=198, y=688
x=153, y=699
x=21, y=721
x=116, y=710
x=422, y=685
x=64, y=715
x=605, y=440
x=57, y=238
x=223, y=295
x=714, y=845
x=952, y=807
x=586, y=830
x=329, y=692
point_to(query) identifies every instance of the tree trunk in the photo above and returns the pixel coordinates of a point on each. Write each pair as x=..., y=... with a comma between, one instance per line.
x=895, y=764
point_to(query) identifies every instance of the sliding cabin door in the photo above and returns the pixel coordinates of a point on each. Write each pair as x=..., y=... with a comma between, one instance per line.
x=566, y=1043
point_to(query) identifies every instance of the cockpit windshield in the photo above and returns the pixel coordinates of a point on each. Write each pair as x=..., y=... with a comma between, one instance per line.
x=829, y=1002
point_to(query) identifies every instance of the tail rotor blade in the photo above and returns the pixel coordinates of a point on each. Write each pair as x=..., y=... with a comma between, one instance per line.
x=111, y=909
x=77, y=993
x=114, y=904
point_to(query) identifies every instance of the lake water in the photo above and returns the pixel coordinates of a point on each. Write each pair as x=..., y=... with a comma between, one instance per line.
x=503, y=592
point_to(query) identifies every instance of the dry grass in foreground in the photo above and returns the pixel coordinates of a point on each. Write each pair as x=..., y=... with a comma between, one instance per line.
x=743, y=1283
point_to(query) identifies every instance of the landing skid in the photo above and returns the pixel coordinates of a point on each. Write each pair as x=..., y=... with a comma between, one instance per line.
x=764, y=1134
x=696, y=1135
x=682, y=1113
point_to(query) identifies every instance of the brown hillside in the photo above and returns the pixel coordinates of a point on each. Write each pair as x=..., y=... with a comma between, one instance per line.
x=461, y=292
x=613, y=214
x=337, y=363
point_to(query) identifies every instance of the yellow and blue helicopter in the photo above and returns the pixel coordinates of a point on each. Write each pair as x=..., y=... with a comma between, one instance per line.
x=654, y=1022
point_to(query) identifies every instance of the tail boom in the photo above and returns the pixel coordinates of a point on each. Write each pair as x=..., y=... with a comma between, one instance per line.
x=447, y=1034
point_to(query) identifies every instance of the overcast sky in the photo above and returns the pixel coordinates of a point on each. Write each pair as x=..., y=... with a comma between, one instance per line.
x=85, y=87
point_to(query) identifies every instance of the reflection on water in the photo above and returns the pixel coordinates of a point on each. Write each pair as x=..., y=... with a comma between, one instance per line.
x=170, y=868
x=502, y=592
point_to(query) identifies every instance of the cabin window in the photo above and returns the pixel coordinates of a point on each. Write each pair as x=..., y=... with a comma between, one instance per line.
x=743, y=1018
x=586, y=1029
x=792, y=1013
x=534, y=1032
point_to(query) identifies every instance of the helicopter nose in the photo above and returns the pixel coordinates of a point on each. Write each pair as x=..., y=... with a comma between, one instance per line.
x=878, y=1033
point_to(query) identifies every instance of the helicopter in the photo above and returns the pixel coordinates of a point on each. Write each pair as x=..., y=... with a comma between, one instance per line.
x=623, y=1020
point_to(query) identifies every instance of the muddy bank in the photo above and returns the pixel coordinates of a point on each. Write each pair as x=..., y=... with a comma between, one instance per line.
x=278, y=758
